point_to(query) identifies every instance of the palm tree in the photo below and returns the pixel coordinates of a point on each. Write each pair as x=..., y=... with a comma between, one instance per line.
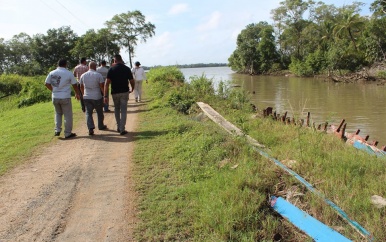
x=350, y=25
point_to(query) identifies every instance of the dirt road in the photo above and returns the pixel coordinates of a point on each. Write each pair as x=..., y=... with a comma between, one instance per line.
x=78, y=189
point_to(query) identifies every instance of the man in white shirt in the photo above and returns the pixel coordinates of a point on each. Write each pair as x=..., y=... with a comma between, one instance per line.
x=92, y=85
x=59, y=81
x=103, y=71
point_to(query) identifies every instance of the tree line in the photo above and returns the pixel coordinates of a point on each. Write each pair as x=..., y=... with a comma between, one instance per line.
x=37, y=54
x=309, y=38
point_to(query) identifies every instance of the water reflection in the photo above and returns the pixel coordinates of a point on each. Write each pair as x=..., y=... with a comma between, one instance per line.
x=361, y=105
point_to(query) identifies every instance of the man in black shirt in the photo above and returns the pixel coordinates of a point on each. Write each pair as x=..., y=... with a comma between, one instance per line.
x=119, y=75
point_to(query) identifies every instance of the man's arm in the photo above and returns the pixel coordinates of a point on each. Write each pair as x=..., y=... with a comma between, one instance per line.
x=77, y=92
x=49, y=86
x=132, y=83
x=106, y=90
x=82, y=88
x=102, y=86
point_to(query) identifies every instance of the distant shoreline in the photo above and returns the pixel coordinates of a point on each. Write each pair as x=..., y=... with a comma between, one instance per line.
x=198, y=65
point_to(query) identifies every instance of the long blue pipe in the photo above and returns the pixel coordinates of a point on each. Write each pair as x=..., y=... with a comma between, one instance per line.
x=353, y=223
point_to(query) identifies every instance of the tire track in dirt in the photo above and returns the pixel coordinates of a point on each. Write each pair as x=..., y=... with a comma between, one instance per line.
x=73, y=190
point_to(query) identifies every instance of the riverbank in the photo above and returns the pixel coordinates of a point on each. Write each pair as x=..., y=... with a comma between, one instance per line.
x=196, y=182
x=374, y=74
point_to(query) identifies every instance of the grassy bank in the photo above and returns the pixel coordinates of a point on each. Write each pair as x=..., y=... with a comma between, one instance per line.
x=198, y=183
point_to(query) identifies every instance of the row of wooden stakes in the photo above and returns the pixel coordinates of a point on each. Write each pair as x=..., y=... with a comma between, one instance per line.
x=339, y=131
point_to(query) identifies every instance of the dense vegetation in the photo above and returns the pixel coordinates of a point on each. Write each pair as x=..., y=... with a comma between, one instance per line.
x=309, y=38
x=20, y=91
x=198, y=183
x=36, y=55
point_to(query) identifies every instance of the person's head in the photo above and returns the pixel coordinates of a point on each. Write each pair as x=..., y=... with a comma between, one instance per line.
x=103, y=63
x=83, y=60
x=118, y=59
x=62, y=63
x=92, y=65
x=137, y=63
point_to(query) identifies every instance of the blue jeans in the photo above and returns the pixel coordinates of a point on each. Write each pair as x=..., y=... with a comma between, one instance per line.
x=90, y=105
x=120, y=109
x=63, y=107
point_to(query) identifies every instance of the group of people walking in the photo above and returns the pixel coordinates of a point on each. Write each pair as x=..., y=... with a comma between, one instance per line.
x=91, y=86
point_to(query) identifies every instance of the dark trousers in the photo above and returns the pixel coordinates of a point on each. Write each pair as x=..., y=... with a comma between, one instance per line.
x=81, y=99
x=90, y=106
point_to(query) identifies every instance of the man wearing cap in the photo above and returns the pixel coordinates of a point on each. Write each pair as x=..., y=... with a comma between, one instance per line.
x=139, y=76
x=119, y=76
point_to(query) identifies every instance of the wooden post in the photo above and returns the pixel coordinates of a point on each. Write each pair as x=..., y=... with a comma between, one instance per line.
x=284, y=117
x=325, y=126
x=357, y=131
x=374, y=143
x=269, y=111
x=288, y=120
x=340, y=125
x=367, y=137
x=308, y=119
x=343, y=132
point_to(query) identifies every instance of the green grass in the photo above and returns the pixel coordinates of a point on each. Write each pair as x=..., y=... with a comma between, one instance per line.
x=198, y=183
x=26, y=129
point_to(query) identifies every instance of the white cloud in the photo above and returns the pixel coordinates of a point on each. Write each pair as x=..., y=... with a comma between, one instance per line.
x=155, y=50
x=178, y=9
x=212, y=23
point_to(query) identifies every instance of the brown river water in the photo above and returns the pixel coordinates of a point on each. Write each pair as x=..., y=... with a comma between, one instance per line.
x=363, y=106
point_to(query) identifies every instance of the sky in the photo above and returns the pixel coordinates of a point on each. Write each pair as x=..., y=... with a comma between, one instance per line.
x=187, y=31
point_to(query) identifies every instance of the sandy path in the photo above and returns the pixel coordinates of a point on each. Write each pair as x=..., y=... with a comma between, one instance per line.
x=78, y=189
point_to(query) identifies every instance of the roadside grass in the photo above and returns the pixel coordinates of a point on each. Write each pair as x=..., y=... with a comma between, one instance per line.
x=24, y=130
x=198, y=183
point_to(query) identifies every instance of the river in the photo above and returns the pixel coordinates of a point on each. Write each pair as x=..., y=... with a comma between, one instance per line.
x=361, y=105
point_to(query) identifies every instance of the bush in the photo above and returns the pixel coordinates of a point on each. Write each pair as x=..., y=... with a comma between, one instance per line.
x=382, y=74
x=29, y=90
x=201, y=86
x=181, y=100
x=34, y=91
x=10, y=84
x=166, y=74
x=162, y=79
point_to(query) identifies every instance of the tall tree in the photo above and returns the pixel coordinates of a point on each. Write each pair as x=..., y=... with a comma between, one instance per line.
x=129, y=28
x=289, y=17
x=3, y=54
x=351, y=25
x=55, y=45
x=97, y=46
x=19, y=56
x=255, y=52
x=379, y=7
